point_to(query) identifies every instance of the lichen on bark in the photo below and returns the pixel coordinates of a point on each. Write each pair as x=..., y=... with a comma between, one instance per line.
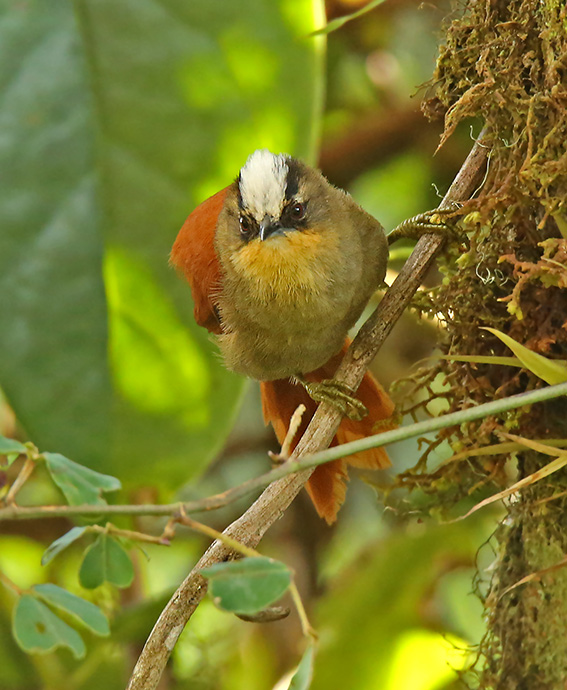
x=505, y=63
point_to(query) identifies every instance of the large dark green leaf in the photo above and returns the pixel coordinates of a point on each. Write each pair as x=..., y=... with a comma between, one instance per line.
x=53, y=345
x=118, y=123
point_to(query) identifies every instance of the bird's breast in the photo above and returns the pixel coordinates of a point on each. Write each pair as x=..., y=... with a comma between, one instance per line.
x=284, y=270
x=285, y=304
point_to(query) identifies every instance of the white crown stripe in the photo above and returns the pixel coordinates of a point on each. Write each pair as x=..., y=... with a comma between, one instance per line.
x=263, y=181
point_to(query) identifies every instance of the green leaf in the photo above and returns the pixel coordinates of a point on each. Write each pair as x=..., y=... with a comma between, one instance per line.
x=55, y=548
x=38, y=630
x=341, y=21
x=247, y=585
x=107, y=156
x=11, y=449
x=53, y=354
x=302, y=677
x=84, y=610
x=551, y=371
x=9, y=446
x=79, y=484
x=106, y=561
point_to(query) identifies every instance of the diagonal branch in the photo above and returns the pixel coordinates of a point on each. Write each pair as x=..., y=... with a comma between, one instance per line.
x=253, y=524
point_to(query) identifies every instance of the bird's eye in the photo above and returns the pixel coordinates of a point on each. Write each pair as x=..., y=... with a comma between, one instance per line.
x=298, y=211
x=244, y=225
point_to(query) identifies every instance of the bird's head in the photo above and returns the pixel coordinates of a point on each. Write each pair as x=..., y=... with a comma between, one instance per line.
x=280, y=214
x=273, y=196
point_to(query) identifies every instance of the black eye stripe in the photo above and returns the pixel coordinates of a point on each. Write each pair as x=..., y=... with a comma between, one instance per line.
x=292, y=179
x=239, y=192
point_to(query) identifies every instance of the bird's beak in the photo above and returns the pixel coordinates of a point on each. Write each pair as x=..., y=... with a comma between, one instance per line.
x=269, y=227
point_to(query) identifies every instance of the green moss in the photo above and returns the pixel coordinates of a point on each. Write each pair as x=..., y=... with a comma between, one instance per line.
x=507, y=63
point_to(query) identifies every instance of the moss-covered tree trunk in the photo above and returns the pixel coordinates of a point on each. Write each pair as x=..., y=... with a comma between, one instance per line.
x=505, y=63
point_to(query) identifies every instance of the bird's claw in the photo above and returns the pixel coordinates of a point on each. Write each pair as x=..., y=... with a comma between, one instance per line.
x=430, y=222
x=337, y=394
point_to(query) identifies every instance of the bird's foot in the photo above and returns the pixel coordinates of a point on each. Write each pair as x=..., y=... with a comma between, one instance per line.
x=337, y=394
x=430, y=222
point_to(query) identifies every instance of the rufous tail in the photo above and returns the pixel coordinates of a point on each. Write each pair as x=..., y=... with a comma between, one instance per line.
x=327, y=484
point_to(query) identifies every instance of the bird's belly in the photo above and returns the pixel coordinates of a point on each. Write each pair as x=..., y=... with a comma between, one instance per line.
x=286, y=343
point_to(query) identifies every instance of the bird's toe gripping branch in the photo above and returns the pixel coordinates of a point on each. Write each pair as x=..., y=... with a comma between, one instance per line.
x=337, y=394
x=430, y=222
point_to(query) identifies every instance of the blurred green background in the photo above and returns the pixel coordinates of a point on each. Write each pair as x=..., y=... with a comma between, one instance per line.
x=117, y=117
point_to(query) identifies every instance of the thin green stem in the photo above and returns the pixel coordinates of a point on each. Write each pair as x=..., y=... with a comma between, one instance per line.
x=471, y=414
x=306, y=627
x=290, y=467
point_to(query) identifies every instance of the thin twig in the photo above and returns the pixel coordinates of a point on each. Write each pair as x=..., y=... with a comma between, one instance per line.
x=21, y=479
x=252, y=525
x=294, y=424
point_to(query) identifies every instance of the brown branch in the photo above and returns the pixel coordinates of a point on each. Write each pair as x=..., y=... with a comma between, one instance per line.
x=253, y=524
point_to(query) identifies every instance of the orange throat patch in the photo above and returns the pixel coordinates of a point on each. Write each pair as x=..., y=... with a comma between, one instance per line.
x=285, y=265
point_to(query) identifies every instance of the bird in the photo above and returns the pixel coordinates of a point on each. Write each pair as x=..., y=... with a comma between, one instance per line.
x=281, y=264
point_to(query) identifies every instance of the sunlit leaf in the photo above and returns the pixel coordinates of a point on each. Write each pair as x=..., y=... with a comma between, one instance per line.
x=247, y=585
x=79, y=484
x=551, y=371
x=302, y=677
x=55, y=548
x=106, y=561
x=37, y=629
x=83, y=610
x=341, y=21
x=424, y=660
x=372, y=604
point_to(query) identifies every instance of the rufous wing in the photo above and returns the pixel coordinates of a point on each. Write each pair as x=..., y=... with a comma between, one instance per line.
x=327, y=485
x=194, y=254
